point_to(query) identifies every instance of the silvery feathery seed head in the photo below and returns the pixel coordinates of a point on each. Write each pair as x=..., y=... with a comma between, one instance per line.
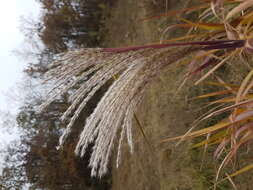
x=91, y=69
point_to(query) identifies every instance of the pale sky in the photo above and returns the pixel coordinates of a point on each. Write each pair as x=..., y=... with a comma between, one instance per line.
x=11, y=39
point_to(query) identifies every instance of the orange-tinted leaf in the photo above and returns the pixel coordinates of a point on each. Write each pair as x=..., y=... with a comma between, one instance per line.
x=214, y=94
x=242, y=170
x=176, y=12
x=244, y=115
x=237, y=105
x=215, y=68
x=243, y=86
x=201, y=132
x=214, y=139
x=205, y=26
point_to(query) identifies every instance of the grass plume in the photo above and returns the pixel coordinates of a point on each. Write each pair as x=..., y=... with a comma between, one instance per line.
x=115, y=111
x=219, y=35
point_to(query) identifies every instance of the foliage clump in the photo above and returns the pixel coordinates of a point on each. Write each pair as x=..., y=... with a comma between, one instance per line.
x=221, y=33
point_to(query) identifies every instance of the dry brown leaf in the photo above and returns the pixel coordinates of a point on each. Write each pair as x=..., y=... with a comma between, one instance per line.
x=243, y=6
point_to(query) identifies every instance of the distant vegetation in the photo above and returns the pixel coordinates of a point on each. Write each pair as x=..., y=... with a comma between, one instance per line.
x=63, y=25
